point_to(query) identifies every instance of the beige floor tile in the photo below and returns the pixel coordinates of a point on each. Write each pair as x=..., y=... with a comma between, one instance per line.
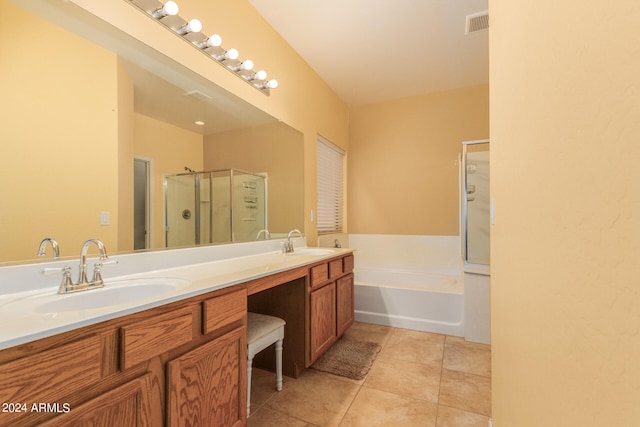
x=467, y=359
x=466, y=391
x=452, y=417
x=375, y=408
x=417, y=335
x=315, y=398
x=459, y=341
x=265, y=417
x=405, y=378
x=419, y=347
x=263, y=386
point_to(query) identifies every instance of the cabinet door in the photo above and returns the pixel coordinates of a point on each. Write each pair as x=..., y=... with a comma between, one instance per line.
x=207, y=386
x=323, y=319
x=127, y=405
x=344, y=302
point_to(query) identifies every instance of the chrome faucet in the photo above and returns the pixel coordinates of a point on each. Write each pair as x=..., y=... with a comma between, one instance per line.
x=82, y=277
x=267, y=235
x=287, y=247
x=67, y=285
x=54, y=246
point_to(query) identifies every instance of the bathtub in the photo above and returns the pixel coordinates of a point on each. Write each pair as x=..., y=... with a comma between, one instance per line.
x=407, y=299
x=412, y=282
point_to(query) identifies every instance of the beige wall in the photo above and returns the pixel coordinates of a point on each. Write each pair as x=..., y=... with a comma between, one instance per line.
x=403, y=175
x=58, y=153
x=171, y=149
x=272, y=148
x=565, y=128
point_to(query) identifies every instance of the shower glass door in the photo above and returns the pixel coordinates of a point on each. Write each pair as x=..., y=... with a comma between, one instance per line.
x=180, y=208
x=475, y=202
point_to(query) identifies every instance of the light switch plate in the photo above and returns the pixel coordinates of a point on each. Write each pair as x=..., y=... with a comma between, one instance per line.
x=105, y=218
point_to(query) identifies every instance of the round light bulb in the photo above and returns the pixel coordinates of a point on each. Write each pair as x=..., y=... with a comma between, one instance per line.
x=231, y=54
x=260, y=75
x=194, y=26
x=247, y=65
x=214, y=41
x=272, y=84
x=170, y=8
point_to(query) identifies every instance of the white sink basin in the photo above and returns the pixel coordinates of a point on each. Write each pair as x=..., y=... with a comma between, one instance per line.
x=311, y=252
x=114, y=293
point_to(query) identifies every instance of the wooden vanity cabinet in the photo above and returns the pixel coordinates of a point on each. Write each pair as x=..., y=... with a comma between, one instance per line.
x=331, y=302
x=206, y=386
x=127, y=405
x=322, y=319
x=183, y=363
x=179, y=364
x=344, y=303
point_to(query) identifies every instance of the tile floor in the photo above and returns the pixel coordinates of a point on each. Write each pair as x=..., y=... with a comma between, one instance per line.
x=418, y=379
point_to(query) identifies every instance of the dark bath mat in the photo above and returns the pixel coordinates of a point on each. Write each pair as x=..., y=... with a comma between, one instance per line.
x=348, y=358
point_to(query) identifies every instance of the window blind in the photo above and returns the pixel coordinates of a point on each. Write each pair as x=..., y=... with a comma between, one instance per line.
x=330, y=185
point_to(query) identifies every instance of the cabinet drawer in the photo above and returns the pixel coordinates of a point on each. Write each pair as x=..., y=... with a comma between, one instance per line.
x=319, y=275
x=335, y=268
x=148, y=338
x=224, y=310
x=51, y=375
x=348, y=262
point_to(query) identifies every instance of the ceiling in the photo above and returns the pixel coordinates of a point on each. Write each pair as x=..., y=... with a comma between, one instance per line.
x=374, y=50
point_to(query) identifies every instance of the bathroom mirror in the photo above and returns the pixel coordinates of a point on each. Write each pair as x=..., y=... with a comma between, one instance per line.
x=475, y=202
x=77, y=114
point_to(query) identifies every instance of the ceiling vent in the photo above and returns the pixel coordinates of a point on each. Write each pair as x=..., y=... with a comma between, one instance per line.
x=477, y=22
x=201, y=96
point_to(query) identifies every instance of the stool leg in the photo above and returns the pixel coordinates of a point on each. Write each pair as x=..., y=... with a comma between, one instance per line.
x=249, y=363
x=279, y=365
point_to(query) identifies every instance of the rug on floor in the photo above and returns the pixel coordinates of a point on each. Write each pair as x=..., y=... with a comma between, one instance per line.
x=349, y=358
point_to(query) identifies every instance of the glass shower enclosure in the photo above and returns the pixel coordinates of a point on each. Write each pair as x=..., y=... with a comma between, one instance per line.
x=475, y=214
x=219, y=206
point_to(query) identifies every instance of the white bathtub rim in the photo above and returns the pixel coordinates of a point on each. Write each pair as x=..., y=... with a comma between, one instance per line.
x=414, y=323
x=453, y=283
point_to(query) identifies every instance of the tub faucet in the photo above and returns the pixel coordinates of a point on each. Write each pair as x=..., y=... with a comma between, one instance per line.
x=54, y=246
x=288, y=245
x=267, y=235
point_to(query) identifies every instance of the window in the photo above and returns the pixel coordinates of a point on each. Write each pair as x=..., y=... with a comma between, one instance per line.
x=330, y=184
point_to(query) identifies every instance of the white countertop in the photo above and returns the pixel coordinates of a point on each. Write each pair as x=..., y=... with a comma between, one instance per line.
x=21, y=322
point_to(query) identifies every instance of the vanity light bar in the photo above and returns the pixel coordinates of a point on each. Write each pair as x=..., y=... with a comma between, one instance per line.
x=167, y=14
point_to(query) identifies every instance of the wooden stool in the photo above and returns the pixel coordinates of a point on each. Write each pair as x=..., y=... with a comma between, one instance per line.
x=262, y=331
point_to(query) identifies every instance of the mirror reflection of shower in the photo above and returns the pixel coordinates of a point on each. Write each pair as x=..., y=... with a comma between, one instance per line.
x=475, y=202
x=219, y=206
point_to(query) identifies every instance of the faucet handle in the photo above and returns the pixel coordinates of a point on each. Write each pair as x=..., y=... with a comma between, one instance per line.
x=66, y=283
x=97, y=269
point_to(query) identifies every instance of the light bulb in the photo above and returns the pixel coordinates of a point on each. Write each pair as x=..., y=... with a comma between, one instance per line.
x=247, y=65
x=232, y=54
x=170, y=8
x=259, y=75
x=193, y=26
x=229, y=54
x=213, y=41
x=272, y=84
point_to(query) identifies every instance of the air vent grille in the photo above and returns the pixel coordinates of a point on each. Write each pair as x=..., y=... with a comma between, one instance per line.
x=477, y=22
x=201, y=96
